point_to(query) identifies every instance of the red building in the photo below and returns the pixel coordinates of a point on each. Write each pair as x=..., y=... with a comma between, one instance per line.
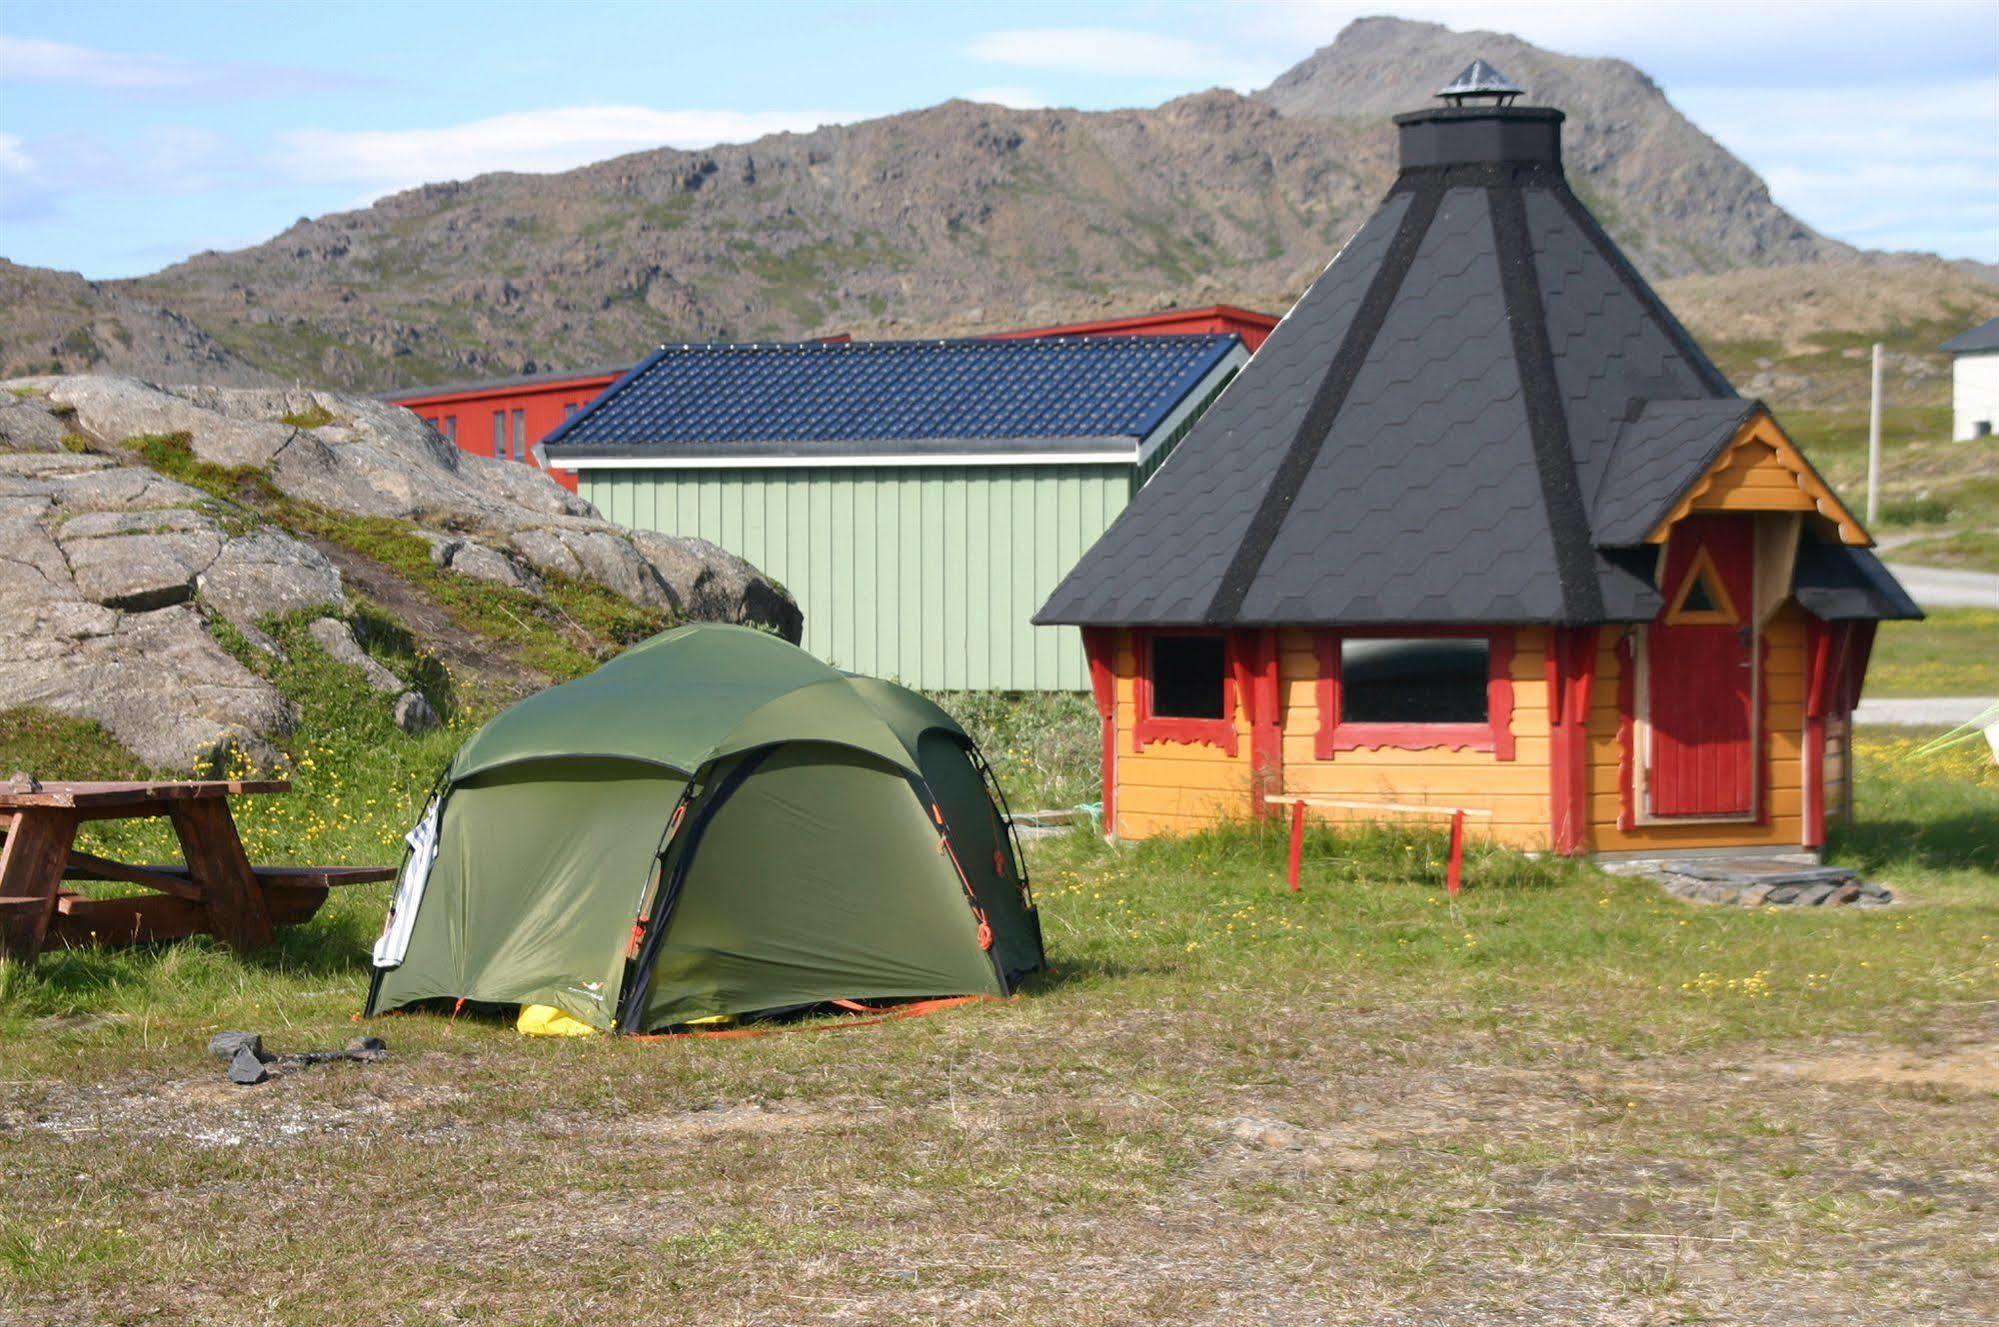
x=1251, y=326
x=507, y=417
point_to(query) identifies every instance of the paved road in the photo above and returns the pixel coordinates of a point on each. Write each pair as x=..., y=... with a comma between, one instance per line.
x=1944, y=587
x=1938, y=712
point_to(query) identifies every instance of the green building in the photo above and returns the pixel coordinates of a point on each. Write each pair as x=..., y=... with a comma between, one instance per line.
x=920, y=499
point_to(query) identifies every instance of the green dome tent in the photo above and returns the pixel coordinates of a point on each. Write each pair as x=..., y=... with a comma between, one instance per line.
x=713, y=823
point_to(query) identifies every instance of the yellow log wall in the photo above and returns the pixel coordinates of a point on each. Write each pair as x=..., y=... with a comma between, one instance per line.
x=1515, y=791
x=1175, y=788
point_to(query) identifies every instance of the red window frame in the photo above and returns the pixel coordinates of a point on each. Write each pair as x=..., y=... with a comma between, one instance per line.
x=1494, y=735
x=1151, y=727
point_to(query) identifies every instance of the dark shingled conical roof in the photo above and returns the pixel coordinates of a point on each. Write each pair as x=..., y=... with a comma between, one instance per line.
x=1471, y=410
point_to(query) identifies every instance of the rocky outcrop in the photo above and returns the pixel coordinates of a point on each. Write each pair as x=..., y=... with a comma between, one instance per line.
x=100, y=571
x=489, y=519
x=114, y=572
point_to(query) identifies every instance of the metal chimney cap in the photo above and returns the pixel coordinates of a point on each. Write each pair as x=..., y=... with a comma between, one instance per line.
x=1479, y=79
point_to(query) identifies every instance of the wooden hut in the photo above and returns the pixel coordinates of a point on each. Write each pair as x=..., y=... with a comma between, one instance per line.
x=1481, y=527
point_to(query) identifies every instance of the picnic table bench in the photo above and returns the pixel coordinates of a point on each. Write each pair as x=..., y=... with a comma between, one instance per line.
x=216, y=890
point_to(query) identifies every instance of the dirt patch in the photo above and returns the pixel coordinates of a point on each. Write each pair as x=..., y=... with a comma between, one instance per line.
x=1966, y=1068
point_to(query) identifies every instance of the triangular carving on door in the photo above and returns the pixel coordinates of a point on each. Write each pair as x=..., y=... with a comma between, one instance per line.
x=1702, y=599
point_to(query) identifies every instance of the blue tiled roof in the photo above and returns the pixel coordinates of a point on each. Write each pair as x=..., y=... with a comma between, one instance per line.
x=873, y=396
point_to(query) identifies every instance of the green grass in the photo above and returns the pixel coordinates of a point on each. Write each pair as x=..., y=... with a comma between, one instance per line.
x=1952, y=652
x=55, y=746
x=314, y=416
x=1971, y=550
x=1044, y=747
x=1564, y=1081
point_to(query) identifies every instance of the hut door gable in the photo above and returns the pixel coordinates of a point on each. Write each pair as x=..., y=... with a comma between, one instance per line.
x=1701, y=675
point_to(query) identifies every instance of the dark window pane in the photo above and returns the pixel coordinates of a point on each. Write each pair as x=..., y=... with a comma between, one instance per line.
x=1698, y=599
x=1439, y=680
x=500, y=434
x=520, y=435
x=1187, y=677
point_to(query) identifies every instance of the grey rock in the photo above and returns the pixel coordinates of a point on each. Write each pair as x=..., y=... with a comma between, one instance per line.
x=247, y=1068
x=157, y=681
x=114, y=409
x=711, y=584
x=413, y=714
x=156, y=520
x=442, y=546
x=112, y=570
x=225, y=1045
x=601, y=555
x=337, y=639
x=141, y=572
x=28, y=427
x=489, y=564
x=265, y=574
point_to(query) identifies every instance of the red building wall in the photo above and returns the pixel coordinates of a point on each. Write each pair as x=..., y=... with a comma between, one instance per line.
x=523, y=410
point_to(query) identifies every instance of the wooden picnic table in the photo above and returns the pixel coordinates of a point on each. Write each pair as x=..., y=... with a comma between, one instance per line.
x=216, y=890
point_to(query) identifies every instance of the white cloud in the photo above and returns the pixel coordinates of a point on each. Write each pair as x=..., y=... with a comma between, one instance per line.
x=14, y=158
x=32, y=60
x=384, y=160
x=1014, y=95
x=1123, y=53
x=24, y=194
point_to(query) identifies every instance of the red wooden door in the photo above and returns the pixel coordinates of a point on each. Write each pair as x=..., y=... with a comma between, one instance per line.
x=1701, y=674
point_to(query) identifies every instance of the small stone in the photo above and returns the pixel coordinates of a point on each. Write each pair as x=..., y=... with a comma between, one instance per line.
x=337, y=639
x=246, y=1068
x=368, y=1048
x=1846, y=893
x=226, y=1045
x=413, y=714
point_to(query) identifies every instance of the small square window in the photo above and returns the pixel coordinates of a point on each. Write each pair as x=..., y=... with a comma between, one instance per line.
x=1188, y=673
x=1186, y=689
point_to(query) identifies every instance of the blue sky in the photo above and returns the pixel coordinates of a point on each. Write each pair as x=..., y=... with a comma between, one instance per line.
x=132, y=135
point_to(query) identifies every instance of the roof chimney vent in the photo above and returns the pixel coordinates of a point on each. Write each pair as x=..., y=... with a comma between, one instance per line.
x=1481, y=126
x=1479, y=81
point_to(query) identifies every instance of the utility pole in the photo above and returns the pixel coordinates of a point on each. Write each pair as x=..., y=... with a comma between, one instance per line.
x=1874, y=443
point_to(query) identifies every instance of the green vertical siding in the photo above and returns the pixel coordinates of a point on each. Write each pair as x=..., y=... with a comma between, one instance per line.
x=924, y=574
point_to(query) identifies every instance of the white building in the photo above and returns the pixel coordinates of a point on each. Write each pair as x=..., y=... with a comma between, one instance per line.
x=1974, y=381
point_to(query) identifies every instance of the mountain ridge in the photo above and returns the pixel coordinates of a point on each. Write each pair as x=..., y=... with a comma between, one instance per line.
x=954, y=219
